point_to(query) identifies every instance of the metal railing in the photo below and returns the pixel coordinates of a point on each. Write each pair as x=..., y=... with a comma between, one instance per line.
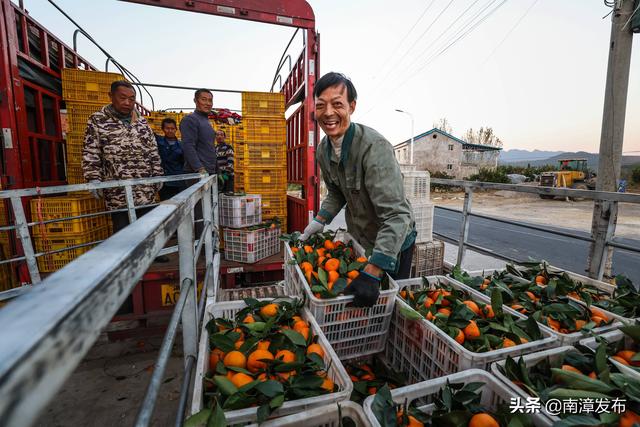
x=22, y=225
x=48, y=332
x=610, y=202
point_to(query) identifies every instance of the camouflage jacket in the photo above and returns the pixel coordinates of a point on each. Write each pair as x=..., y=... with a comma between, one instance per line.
x=114, y=150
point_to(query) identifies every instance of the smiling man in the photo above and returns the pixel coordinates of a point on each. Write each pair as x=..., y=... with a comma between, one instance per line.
x=360, y=171
x=198, y=136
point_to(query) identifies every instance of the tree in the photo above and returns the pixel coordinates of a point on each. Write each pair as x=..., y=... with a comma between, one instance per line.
x=443, y=125
x=484, y=136
x=635, y=175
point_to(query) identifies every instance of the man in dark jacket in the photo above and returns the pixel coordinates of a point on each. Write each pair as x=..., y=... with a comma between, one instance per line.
x=171, y=157
x=198, y=136
x=225, y=162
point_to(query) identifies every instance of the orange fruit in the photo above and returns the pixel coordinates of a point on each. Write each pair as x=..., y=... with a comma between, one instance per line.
x=216, y=356
x=230, y=374
x=320, y=261
x=353, y=274
x=338, y=243
x=483, y=420
x=263, y=345
x=362, y=259
x=444, y=311
x=580, y=324
x=403, y=294
x=472, y=306
x=238, y=344
x=413, y=422
x=332, y=264
x=531, y=296
x=294, y=250
x=308, y=249
x=367, y=377
x=328, y=245
x=286, y=356
x=262, y=377
x=488, y=312
x=596, y=312
x=239, y=379
x=626, y=355
x=320, y=251
x=305, y=333
x=571, y=369
x=598, y=320
x=460, y=337
x=285, y=375
x=315, y=348
x=553, y=324
x=327, y=385
x=593, y=375
x=254, y=364
x=428, y=302
x=620, y=360
x=629, y=419
x=372, y=390
x=235, y=359
x=306, y=266
x=248, y=319
x=508, y=343
x=333, y=276
x=300, y=324
x=471, y=331
x=429, y=316
x=269, y=310
x=541, y=280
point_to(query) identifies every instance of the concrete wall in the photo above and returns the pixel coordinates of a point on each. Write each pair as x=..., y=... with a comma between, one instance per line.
x=443, y=154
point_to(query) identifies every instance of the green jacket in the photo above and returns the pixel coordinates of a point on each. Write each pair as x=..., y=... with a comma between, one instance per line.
x=367, y=179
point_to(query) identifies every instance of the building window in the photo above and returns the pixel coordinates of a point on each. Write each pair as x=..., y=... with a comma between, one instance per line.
x=450, y=147
x=449, y=166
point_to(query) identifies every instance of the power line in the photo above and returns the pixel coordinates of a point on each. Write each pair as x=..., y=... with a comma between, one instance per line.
x=511, y=30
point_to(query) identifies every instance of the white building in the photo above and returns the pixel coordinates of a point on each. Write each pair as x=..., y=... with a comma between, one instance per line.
x=437, y=151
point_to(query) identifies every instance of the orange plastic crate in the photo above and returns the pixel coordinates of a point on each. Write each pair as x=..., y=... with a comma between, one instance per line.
x=53, y=262
x=265, y=129
x=87, y=86
x=263, y=104
x=259, y=180
x=257, y=154
x=78, y=114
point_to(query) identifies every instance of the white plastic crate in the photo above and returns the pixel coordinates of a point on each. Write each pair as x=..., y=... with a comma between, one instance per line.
x=416, y=185
x=614, y=337
x=530, y=360
x=240, y=211
x=493, y=394
x=419, y=337
x=353, y=332
x=423, y=214
x=335, y=371
x=324, y=416
x=428, y=259
x=265, y=291
x=249, y=246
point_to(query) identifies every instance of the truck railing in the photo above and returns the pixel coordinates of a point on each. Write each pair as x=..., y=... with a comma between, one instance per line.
x=21, y=225
x=48, y=332
x=610, y=202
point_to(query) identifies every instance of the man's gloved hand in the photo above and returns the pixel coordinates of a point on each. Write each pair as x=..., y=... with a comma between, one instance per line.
x=314, y=227
x=97, y=193
x=203, y=171
x=365, y=290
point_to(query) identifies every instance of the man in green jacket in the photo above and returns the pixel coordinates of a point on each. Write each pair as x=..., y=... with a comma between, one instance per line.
x=360, y=171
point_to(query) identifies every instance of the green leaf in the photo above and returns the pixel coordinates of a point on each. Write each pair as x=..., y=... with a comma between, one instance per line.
x=339, y=285
x=580, y=381
x=256, y=326
x=247, y=387
x=496, y=303
x=270, y=388
x=252, y=302
x=225, y=385
x=322, y=276
x=217, y=418
x=198, y=419
x=295, y=337
x=277, y=401
x=263, y=412
x=344, y=268
x=222, y=342
x=409, y=313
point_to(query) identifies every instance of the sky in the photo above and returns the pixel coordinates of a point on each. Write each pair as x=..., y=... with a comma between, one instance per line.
x=533, y=70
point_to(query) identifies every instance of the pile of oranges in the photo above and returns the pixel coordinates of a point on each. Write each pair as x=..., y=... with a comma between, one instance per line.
x=477, y=326
x=368, y=377
x=328, y=265
x=268, y=351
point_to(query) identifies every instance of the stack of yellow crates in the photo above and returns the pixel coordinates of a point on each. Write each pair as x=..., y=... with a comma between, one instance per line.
x=7, y=276
x=84, y=92
x=155, y=118
x=261, y=156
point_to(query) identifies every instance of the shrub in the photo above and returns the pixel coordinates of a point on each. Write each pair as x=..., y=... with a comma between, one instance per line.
x=635, y=175
x=490, y=175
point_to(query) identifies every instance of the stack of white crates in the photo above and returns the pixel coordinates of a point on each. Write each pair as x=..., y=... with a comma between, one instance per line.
x=428, y=255
x=246, y=239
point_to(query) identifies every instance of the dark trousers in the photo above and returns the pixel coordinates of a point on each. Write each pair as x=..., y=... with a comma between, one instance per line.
x=228, y=186
x=404, y=263
x=167, y=192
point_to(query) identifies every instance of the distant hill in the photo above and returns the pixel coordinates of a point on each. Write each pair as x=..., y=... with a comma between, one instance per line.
x=515, y=155
x=592, y=160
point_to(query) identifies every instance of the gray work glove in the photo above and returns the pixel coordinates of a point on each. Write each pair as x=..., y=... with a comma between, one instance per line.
x=314, y=227
x=96, y=192
x=203, y=172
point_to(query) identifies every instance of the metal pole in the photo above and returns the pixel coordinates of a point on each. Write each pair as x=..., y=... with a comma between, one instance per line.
x=130, y=204
x=464, y=228
x=412, y=133
x=25, y=239
x=187, y=265
x=207, y=213
x=184, y=391
x=612, y=135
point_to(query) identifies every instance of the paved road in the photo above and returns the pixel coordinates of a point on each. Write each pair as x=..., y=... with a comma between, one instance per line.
x=521, y=243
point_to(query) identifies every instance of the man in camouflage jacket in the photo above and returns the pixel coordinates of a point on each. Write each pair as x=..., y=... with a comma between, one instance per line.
x=119, y=144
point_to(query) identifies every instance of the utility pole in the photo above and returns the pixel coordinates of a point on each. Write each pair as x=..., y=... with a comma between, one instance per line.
x=605, y=213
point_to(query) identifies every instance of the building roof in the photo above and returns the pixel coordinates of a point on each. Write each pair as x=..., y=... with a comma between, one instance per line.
x=464, y=143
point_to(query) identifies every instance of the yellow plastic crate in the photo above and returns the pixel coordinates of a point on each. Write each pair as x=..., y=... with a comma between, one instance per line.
x=78, y=114
x=260, y=154
x=53, y=262
x=65, y=206
x=259, y=180
x=74, y=174
x=155, y=118
x=265, y=129
x=262, y=104
x=274, y=205
x=238, y=134
x=87, y=86
x=75, y=143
